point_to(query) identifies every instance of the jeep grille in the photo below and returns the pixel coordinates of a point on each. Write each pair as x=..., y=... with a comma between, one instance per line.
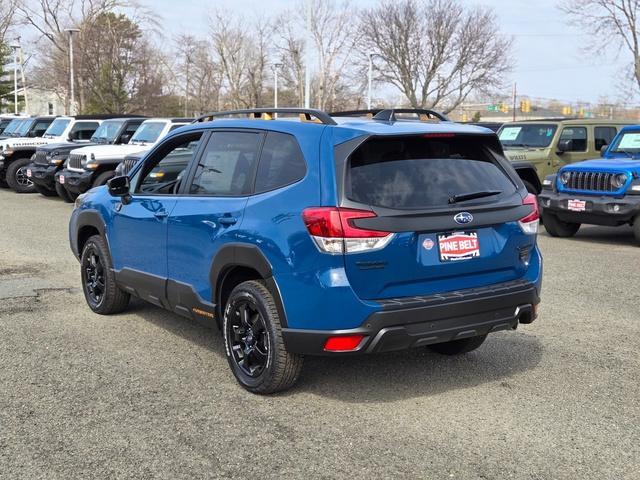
x=75, y=160
x=128, y=164
x=41, y=158
x=593, y=181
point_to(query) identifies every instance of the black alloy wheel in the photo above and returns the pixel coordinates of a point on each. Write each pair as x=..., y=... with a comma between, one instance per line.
x=248, y=337
x=93, y=278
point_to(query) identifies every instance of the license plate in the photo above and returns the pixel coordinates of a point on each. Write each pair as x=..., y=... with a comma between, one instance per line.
x=61, y=179
x=576, y=205
x=458, y=246
x=29, y=173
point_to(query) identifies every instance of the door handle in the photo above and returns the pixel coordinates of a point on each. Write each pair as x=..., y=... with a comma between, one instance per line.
x=227, y=220
x=161, y=214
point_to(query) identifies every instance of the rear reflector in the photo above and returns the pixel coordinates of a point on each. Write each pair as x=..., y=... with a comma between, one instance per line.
x=343, y=344
x=529, y=224
x=334, y=231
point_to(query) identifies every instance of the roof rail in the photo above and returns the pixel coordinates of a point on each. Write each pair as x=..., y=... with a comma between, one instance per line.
x=357, y=113
x=306, y=114
x=429, y=115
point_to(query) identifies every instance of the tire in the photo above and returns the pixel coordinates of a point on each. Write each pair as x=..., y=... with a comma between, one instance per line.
x=103, y=178
x=63, y=194
x=98, y=280
x=458, y=347
x=636, y=228
x=530, y=188
x=17, y=176
x=558, y=228
x=253, y=341
x=45, y=191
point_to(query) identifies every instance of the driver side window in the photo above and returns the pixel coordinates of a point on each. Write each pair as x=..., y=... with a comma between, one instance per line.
x=164, y=170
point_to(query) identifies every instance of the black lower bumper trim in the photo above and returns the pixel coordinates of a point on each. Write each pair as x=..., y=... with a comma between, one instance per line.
x=76, y=182
x=44, y=175
x=420, y=321
x=599, y=210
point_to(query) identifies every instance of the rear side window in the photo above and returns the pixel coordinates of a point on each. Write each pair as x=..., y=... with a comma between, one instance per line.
x=228, y=165
x=417, y=172
x=41, y=127
x=281, y=163
x=578, y=137
x=83, y=130
x=604, y=136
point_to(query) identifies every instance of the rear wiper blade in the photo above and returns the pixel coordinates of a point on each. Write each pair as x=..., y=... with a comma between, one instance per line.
x=463, y=197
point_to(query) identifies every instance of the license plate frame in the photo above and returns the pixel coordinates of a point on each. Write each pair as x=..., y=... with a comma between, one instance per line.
x=61, y=179
x=576, y=205
x=458, y=246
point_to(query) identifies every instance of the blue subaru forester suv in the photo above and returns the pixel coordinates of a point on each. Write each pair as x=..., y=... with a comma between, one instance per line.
x=603, y=191
x=301, y=233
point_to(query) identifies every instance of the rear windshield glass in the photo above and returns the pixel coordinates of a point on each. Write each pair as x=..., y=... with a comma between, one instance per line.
x=417, y=172
x=526, y=135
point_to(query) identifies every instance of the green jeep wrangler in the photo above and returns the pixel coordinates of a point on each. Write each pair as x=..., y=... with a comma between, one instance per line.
x=538, y=148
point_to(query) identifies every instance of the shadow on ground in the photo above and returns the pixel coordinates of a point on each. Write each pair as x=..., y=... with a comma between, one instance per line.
x=622, y=236
x=382, y=377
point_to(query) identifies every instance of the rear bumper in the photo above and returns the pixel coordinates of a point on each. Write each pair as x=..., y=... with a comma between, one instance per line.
x=600, y=210
x=44, y=175
x=76, y=182
x=417, y=321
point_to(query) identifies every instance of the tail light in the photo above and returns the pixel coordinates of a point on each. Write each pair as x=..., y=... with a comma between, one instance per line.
x=529, y=224
x=333, y=230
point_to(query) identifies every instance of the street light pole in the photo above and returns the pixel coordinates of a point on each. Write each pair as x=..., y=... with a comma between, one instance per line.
x=15, y=78
x=72, y=99
x=370, y=78
x=307, y=59
x=276, y=67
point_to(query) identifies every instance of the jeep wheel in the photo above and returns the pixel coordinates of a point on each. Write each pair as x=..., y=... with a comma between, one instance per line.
x=458, y=347
x=17, y=176
x=103, y=178
x=253, y=341
x=558, y=228
x=98, y=280
x=636, y=228
x=63, y=194
x=45, y=191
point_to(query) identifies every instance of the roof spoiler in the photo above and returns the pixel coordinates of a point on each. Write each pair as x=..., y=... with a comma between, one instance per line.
x=305, y=114
x=425, y=115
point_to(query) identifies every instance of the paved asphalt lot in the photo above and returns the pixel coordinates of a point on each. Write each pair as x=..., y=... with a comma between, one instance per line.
x=148, y=394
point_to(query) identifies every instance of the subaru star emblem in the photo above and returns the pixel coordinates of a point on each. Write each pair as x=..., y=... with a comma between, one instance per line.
x=463, y=218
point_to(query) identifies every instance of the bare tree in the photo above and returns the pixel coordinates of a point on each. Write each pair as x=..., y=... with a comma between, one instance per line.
x=243, y=56
x=435, y=52
x=334, y=36
x=7, y=17
x=611, y=22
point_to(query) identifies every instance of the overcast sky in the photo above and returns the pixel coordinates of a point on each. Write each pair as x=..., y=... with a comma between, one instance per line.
x=550, y=62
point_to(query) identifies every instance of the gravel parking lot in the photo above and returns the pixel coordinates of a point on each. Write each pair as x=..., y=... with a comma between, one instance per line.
x=148, y=394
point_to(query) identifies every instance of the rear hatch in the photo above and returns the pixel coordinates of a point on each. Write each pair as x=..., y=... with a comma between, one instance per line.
x=452, y=206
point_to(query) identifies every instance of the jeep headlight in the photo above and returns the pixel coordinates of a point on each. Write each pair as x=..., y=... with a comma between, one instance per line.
x=618, y=181
x=565, y=177
x=84, y=161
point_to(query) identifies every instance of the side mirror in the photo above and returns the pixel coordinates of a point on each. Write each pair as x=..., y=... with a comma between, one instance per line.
x=603, y=150
x=125, y=138
x=119, y=187
x=565, y=146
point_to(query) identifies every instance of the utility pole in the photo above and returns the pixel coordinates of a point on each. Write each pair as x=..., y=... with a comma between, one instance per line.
x=307, y=55
x=72, y=99
x=276, y=67
x=514, y=101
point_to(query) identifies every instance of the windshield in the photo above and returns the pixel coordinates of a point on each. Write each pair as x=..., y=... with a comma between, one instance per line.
x=107, y=132
x=627, y=143
x=147, y=132
x=527, y=135
x=57, y=127
x=24, y=128
x=13, y=125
